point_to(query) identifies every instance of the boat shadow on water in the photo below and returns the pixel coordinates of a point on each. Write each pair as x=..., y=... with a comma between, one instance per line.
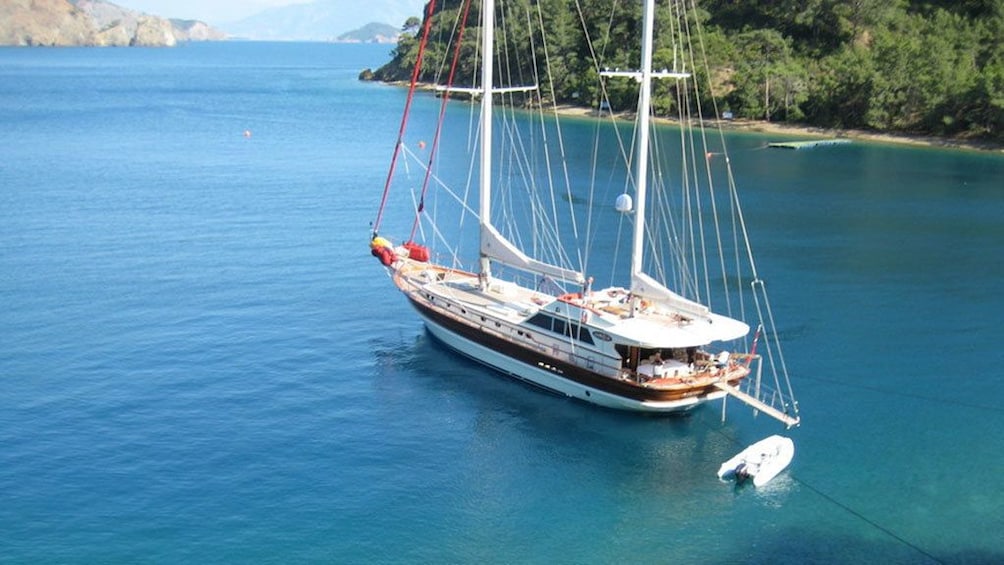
x=433, y=365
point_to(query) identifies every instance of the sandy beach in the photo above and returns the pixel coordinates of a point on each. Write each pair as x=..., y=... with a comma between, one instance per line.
x=816, y=133
x=791, y=130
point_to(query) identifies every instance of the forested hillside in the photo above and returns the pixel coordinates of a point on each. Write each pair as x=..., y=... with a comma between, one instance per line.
x=916, y=66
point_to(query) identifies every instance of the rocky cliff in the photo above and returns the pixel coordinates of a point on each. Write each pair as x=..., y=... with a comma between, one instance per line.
x=92, y=22
x=194, y=30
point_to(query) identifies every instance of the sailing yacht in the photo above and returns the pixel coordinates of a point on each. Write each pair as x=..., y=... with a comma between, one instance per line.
x=535, y=316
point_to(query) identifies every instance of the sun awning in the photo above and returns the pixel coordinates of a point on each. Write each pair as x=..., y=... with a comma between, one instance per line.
x=648, y=332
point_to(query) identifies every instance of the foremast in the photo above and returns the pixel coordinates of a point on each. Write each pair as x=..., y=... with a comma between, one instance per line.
x=493, y=245
x=485, y=166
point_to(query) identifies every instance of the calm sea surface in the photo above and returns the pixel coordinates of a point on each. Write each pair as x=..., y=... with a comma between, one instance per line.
x=201, y=363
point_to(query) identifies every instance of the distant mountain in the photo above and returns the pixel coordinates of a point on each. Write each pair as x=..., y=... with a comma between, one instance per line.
x=92, y=22
x=194, y=30
x=322, y=20
x=371, y=33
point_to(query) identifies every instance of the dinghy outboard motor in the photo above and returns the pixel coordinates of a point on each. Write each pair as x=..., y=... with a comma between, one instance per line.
x=742, y=473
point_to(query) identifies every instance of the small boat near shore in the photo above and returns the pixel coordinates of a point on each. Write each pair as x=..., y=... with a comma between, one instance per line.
x=807, y=144
x=761, y=461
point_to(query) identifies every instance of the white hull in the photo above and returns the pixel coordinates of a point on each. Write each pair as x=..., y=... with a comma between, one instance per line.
x=761, y=461
x=550, y=381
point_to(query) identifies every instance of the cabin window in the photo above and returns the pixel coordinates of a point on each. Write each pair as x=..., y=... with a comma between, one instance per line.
x=580, y=333
x=541, y=320
x=561, y=327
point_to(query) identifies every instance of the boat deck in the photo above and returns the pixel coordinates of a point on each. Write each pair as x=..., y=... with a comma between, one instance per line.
x=501, y=298
x=453, y=289
x=515, y=303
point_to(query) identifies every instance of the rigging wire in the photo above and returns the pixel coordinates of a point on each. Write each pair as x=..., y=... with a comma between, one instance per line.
x=560, y=137
x=439, y=123
x=604, y=102
x=900, y=394
x=775, y=354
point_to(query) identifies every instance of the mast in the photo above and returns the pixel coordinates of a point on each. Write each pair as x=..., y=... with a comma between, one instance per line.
x=641, y=135
x=487, y=62
x=641, y=283
x=494, y=246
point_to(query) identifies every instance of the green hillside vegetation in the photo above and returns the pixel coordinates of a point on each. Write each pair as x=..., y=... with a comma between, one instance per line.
x=913, y=66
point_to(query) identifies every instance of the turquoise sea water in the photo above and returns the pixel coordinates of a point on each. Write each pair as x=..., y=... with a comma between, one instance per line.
x=200, y=362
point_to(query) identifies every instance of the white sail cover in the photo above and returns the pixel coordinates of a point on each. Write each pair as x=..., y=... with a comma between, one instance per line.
x=647, y=287
x=706, y=326
x=498, y=248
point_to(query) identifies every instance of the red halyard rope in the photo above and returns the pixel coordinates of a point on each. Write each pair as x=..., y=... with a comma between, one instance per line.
x=442, y=116
x=407, y=109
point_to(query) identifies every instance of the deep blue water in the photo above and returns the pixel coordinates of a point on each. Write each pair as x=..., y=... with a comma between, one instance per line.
x=200, y=362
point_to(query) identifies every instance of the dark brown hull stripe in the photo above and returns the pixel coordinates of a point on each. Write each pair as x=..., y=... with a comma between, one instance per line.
x=560, y=368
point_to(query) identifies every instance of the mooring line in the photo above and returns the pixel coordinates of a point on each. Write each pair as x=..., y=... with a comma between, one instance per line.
x=867, y=520
x=897, y=393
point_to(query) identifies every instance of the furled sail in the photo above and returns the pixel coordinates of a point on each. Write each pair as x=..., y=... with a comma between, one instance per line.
x=713, y=327
x=498, y=248
x=645, y=286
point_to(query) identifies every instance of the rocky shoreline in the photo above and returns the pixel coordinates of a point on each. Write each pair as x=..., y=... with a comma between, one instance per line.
x=83, y=23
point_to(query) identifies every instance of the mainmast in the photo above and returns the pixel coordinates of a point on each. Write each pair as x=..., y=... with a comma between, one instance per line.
x=641, y=283
x=494, y=246
x=641, y=136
